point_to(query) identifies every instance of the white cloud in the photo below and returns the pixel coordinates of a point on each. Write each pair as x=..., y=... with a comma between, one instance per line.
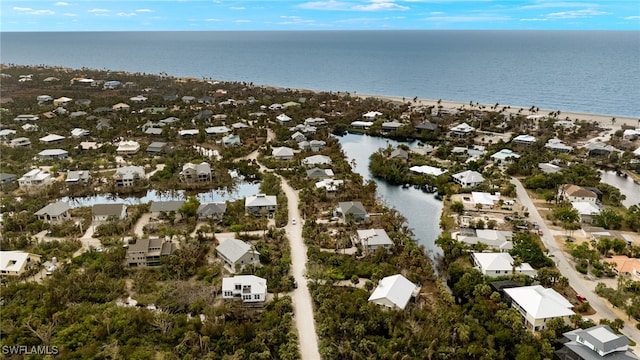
x=16, y=8
x=575, y=14
x=635, y=17
x=371, y=5
x=212, y=20
x=126, y=14
x=32, y=11
x=467, y=18
x=99, y=11
x=377, y=5
x=61, y=3
x=70, y=14
x=237, y=8
x=546, y=4
x=144, y=10
x=325, y=5
x=436, y=13
x=242, y=21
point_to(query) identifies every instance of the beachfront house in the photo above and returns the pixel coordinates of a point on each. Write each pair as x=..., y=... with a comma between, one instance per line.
x=148, y=252
x=247, y=288
x=394, y=292
x=104, y=212
x=351, y=210
x=373, y=239
x=468, y=178
x=54, y=213
x=128, y=176
x=500, y=264
x=16, y=262
x=261, y=205
x=538, y=305
x=237, y=254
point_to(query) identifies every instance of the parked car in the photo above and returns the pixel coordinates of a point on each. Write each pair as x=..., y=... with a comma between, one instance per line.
x=293, y=221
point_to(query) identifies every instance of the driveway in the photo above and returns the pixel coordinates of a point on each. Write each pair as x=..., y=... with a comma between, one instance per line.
x=302, y=304
x=581, y=285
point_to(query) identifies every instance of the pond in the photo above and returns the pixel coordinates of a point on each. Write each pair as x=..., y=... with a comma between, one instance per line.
x=421, y=209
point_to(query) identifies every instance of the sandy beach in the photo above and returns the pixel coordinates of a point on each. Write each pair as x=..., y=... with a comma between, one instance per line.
x=604, y=120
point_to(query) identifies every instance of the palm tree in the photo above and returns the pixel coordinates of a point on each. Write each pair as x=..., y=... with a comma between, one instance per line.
x=517, y=262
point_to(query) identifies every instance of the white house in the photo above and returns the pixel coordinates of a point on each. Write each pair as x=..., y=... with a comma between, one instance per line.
x=371, y=115
x=316, y=160
x=128, y=175
x=494, y=239
x=394, y=292
x=51, y=138
x=260, y=204
x=15, y=263
x=595, y=343
x=283, y=119
x=462, y=130
x=192, y=173
x=35, y=178
x=102, y=212
x=20, y=142
x=505, y=155
x=54, y=212
x=586, y=210
x=484, y=198
x=53, y=154
x=78, y=177
x=468, y=178
x=248, y=288
x=372, y=239
x=500, y=264
x=537, y=305
x=237, y=254
x=128, y=147
x=573, y=193
x=558, y=146
x=282, y=153
x=524, y=139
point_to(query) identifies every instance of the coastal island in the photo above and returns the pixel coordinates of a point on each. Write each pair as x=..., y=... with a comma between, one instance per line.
x=149, y=216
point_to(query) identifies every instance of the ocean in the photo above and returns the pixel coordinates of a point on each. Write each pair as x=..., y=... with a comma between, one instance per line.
x=582, y=71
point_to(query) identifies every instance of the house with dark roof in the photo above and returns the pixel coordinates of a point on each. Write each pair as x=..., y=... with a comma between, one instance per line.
x=237, y=254
x=166, y=207
x=317, y=173
x=157, y=148
x=6, y=178
x=595, y=343
x=351, y=210
x=78, y=177
x=426, y=127
x=214, y=211
x=103, y=212
x=148, y=252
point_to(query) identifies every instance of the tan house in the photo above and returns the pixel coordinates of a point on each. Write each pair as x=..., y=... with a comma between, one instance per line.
x=626, y=266
x=192, y=173
x=148, y=252
x=538, y=305
x=575, y=193
x=15, y=263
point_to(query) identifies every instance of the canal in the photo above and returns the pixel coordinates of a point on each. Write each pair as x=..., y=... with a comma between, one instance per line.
x=626, y=185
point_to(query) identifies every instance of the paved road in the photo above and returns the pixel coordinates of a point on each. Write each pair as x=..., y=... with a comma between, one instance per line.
x=576, y=280
x=302, y=303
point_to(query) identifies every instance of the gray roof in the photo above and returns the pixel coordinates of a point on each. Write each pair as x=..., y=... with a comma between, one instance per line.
x=77, y=175
x=54, y=209
x=107, y=209
x=374, y=237
x=601, y=337
x=212, y=208
x=166, y=206
x=153, y=131
x=7, y=177
x=260, y=200
x=352, y=207
x=233, y=249
x=143, y=245
x=156, y=146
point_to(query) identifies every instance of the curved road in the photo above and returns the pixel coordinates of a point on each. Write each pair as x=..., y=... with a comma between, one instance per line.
x=302, y=303
x=576, y=280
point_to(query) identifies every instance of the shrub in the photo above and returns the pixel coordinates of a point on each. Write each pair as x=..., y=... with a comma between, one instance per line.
x=581, y=268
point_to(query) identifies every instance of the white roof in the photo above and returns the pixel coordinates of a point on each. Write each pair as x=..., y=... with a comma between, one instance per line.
x=484, y=198
x=128, y=145
x=504, y=154
x=6, y=132
x=282, y=151
x=188, y=132
x=329, y=184
x=52, y=152
x=13, y=260
x=372, y=114
x=233, y=249
x=637, y=151
x=396, y=289
x=426, y=169
x=464, y=127
x=469, y=177
x=283, y=118
x=51, y=137
x=261, y=200
x=539, y=302
x=361, y=123
x=79, y=132
x=36, y=174
x=585, y=208
x=258, y=284
x=217, y=130
x=374, y=237
x=317, y=159
x=524, y=138
x=498, y=261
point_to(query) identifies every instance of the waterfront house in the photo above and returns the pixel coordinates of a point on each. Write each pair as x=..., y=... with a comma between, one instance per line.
x=317, y=173
x=598, y=148
x=35, y=179
x=214, y=211
x=231, y=140
x=316, y=160
x=538, y=305
x=500, y=264
x=194, y=173
x=595, y=343
x=78, y=177
x=351, y=210
x=16, y=262
x=363, y=125
x=373, y=239
x=494, y=239
x=103, y=212
x=317, y=145
x=462, y=130
x=426, y=127
x=128, y=147
x=574, y=193
x=260, y=204
x=399, y=154
x=20, y=142
x=468, y=178
x=394, y=292
x=427, y=170
x=157, y=148
x=148, y=252
x=54, y=212
x=127, y=176
x=248, y=288
x=53, y=154
x=165, y=207
x=282, y=153
x=330, y=185
x=389, y=126
x=237, y=254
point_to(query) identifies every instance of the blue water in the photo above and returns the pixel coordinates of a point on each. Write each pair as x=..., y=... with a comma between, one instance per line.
x=583, y=71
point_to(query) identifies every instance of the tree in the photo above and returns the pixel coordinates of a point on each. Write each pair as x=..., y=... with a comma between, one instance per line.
x=526, y=247
x=608, y=219
x=190, y=207
x=457, y=207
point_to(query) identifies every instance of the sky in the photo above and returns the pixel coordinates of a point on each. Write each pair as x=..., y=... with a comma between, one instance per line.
x=203, y=15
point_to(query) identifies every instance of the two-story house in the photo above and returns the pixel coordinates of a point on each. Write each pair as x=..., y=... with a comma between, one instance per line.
x=260, y=204
x=127, y=176
x=237, y=254
x=193, y=173
x=148, y=252
x=248, y=288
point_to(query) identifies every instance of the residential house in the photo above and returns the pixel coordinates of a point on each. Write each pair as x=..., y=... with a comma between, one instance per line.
x=573, y=193
x=371, y=115
x=170, y=120
x=524, y=139
x=468, y=178
x=157, y=148
x=121, y=107
x=16, y=262
x=217, y=130
x=34, y=179
x=237, y=254
x=394, y=292
x=290, y=104
x=248, y=288
x=276, y=106
x=6, y=178
x=53, y=154
x=282, y=153
x=283, y=119
x=462, y=130
x=214, y=211
x=260, y=204
x=625, y=266
x=103, y=212
x=556, y=145
x=188, y=133
x=188, y=99
x=148, y=252
x=304, y=145
x=127, y=176
x=316, y=160
x=44, y=98
x=538, y=305
x=399, y=154
x=298, y=136
x=631, y=134
x=194, y=173
x=30, y=127
x=363, y=125
x=505, y=156
x=54, y=212
x=484, y=198
x=587, y=210
x=315, y=122
x=317, y=173
x=494, y=239
x=373, y=239
x=427, y=170
x=153, y=131
x=20, y=142
x=426, y=127
x=77, y=114
x=128, y=147
x=5, y=134
x=317, y=145
x=78, y=133
x=330, y=185
x=500, y=264
x=351, y=210
x=389, y=126
x=78, y=177
x=26, y=118
x=595, y=343
x=549, y=168
x=239, y=125
x=231, y=140
x=165, y=207
x=89, y=145
x=110, y=85
x=598, y=148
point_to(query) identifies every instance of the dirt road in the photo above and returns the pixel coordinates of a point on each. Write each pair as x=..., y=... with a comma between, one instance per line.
x=576, y=280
